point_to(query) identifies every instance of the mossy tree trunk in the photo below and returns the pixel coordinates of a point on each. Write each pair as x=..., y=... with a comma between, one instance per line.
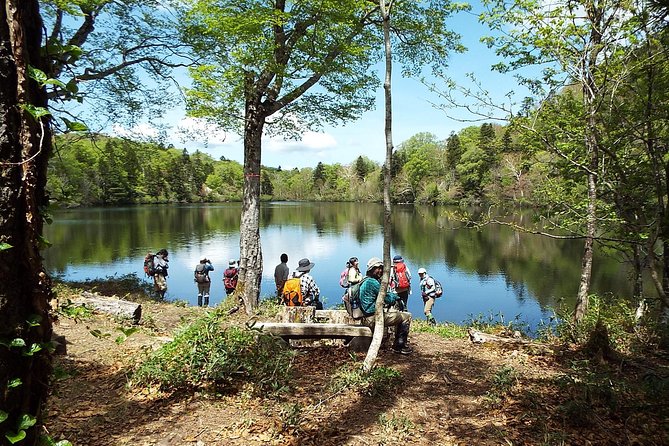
x=25, y=145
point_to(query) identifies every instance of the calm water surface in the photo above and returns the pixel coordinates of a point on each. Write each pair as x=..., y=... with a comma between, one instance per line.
x=490, y=272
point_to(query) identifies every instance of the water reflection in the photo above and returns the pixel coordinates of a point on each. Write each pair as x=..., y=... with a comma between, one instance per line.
x=493, y=270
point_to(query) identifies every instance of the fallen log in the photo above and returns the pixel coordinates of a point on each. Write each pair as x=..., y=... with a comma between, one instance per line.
x=110, y=305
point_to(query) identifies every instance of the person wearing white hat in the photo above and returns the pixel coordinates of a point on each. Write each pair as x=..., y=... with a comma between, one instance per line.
x=401, y=320
x=230, y=277
x=428, y=290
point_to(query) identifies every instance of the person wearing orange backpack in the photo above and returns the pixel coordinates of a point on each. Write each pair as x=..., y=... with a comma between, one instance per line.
x=400, y=277
x=308, y=287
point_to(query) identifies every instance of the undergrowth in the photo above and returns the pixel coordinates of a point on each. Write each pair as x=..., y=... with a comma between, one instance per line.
x=617, y=316
x=207, y=354
x=445, y=330
x=379, y=381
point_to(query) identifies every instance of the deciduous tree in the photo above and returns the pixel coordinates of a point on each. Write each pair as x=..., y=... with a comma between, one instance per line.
x=302, y=64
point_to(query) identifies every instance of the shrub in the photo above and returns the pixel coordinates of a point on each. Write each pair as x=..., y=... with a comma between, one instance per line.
x=208, y=354
x=614, y=314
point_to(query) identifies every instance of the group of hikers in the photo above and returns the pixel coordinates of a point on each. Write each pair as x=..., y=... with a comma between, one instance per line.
x=157, y=266
x=300, y=288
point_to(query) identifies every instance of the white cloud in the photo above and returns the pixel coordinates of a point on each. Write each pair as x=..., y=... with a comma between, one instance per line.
x=140, y=131
x=310, y=142
x=200, y=133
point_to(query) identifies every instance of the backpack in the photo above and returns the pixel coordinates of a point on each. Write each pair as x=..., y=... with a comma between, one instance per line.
x=200, y=274
x=292, y=293
x=438, y=289
x=351, y=300
x=343, y=279
x=401, y=281
x=149, y=269
x=230, y=276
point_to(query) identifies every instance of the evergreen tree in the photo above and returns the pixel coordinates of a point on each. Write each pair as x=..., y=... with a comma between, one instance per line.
x=453, y=150
x=487, y=143
x=361, y=169
x=319, y=175
x=266, y=187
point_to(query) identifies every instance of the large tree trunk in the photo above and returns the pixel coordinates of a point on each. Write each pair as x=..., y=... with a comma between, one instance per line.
x=25, y=291
x=250, y=259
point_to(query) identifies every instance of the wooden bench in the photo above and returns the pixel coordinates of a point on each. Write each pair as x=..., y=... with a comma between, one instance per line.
x=299, y=323
x=314, y=330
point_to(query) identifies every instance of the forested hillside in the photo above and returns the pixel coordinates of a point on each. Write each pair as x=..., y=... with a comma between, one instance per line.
x=479, y=164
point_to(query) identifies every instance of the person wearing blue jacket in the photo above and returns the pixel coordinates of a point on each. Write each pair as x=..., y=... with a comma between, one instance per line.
x=401, y=320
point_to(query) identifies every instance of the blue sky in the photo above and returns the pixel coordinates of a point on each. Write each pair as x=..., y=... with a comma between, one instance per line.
x=412, y=114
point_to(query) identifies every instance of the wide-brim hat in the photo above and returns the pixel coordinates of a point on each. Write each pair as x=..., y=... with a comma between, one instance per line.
x=374, y=262
x=232, y=262
x=305, y=265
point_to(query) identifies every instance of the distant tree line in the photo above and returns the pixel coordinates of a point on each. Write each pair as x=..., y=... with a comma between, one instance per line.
x=478, y=164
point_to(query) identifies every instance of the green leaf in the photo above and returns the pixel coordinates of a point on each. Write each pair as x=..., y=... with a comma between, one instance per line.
x=74, y=126
x=55, y=82
x=34, y=320
x=37, y=75
x=3, y=415
x=5, y=246
x=14, y=383
x=127, y=331
x=27, y=421
x=63, y=443
x=33, y=349
x=100, y=335
x=35, y=112
x=18, y=342
x=43, y=242
x=72, y=86
x=15, y=437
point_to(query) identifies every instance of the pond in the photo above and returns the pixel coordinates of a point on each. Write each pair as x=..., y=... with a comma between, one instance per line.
x=489, y=272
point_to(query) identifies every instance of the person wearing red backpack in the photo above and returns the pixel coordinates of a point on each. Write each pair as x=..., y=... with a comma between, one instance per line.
x=230, y=276
x=400, y=277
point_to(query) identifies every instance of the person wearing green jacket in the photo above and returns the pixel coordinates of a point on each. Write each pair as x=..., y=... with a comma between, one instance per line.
x=401, y=320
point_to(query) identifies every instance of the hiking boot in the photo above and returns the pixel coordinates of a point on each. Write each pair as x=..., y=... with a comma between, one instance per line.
x=406, y=350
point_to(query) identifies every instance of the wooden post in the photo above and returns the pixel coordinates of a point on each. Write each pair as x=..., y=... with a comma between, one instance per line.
x=297, y=314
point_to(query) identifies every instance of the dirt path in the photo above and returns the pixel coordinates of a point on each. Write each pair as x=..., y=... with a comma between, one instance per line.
x=453, y=392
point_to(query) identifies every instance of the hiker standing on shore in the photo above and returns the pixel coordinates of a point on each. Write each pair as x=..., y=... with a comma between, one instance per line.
x=160, y=266
x=308, y=287
x=230, y=276
x=428, y=291
x=401, y=279
x=203, y=281
x=281, y=274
